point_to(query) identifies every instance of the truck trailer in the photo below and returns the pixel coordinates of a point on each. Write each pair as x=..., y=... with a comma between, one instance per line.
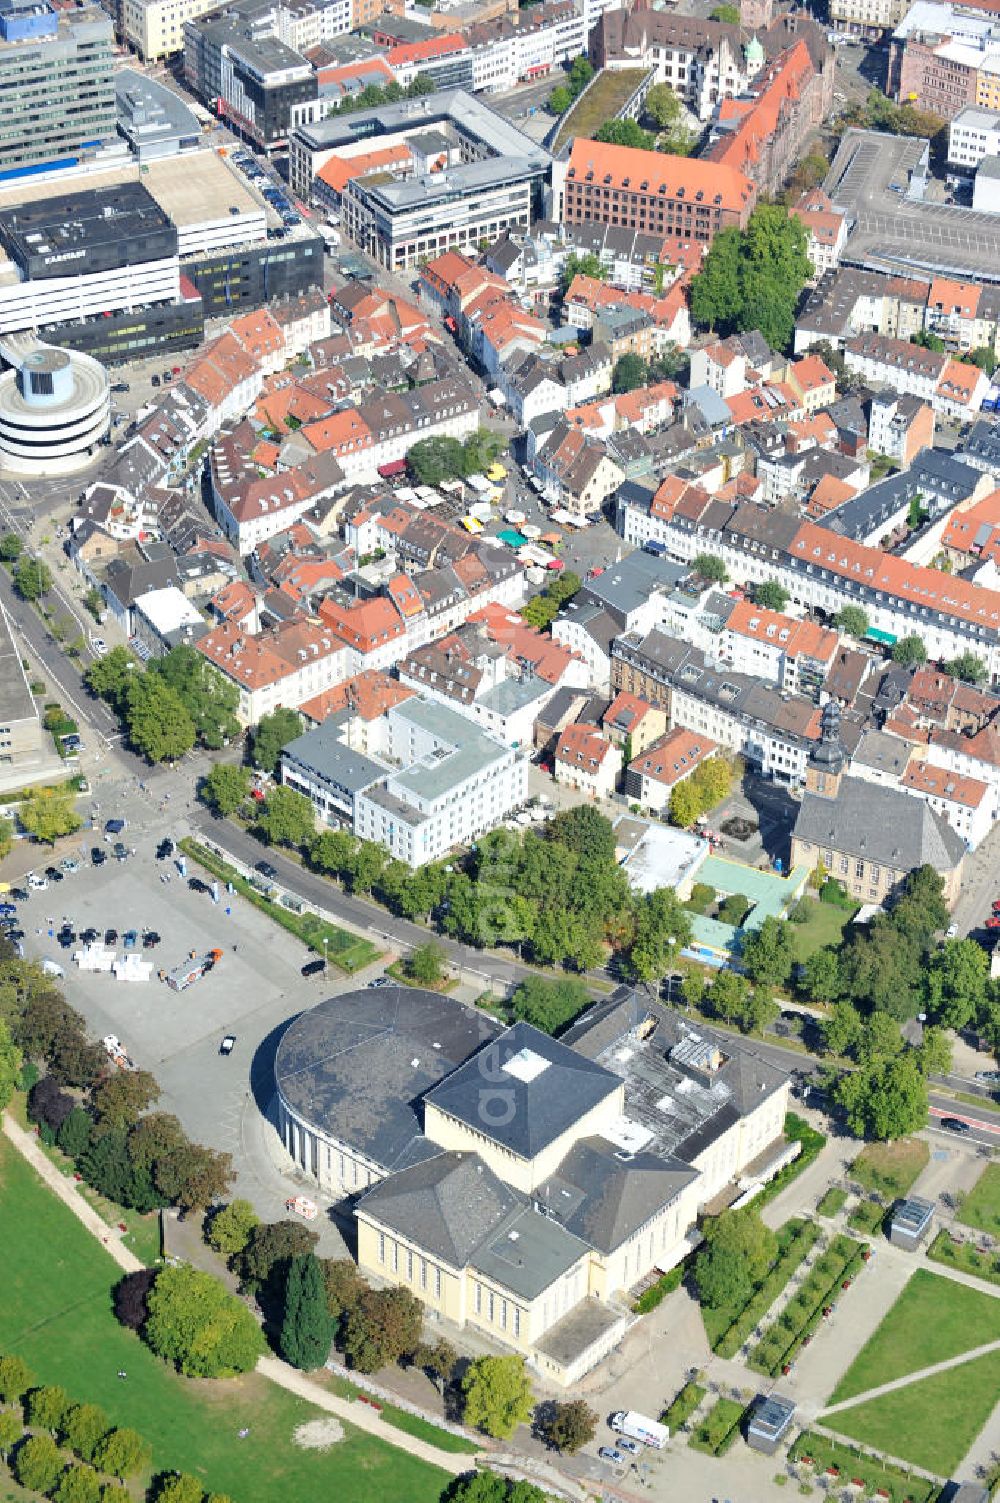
x=639, y=1427
x=191, y=971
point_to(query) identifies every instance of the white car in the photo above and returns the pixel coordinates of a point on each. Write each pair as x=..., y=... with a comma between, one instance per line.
x=951, y=932
x=98, y=646
x=36, y=883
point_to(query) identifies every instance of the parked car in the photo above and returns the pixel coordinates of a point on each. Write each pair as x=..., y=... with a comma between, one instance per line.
x=119, y=852
x=130, y=939
x=66, y=937
x=988, y=1077
x=951, y=932
x=228, y=1044
x=150, y=939
x=197, y=885
x=7, y=910
x=267, y=870
x=380, y=981
x=631, y=1446
x=98, y=646
x=611, y=1454
x=97, y=856
x=19, y=894
x=313, y=967
x=89, y=936
x=69, y=865
x=165, y=849
x=37, y=883
x=111, y=936
x=54, y=874
x=993, y=922
x=955, y=1124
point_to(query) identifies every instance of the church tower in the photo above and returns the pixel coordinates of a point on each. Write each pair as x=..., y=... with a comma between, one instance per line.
x=825, y=767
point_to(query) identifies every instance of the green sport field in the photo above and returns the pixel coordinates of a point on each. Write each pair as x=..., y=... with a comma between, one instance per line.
x=55, y=1311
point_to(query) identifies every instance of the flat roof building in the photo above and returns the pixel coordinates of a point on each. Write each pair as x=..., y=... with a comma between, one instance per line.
x=21, y=734
x=153, y=119
x=910, y=1222
x=56, y=82
x=769, y=1422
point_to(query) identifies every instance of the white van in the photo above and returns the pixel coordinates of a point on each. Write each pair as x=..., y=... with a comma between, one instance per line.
x=53, y=968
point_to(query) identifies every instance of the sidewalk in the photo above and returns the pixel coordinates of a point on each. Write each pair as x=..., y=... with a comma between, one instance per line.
x=915, y=1377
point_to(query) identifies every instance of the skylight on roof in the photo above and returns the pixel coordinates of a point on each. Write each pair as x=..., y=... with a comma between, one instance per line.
x=526, y=1065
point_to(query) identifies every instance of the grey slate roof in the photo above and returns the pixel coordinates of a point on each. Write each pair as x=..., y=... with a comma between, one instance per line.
x=524, y=1090
x=604, y=1201
x=357, y=1065
x=881, y=824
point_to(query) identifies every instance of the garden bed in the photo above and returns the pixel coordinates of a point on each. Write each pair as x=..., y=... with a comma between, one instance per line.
x=965, y=1256
x=803, y=1315
x=719, y=1429
x=683, y=1406
x=833, y=1202
x=851, y=1464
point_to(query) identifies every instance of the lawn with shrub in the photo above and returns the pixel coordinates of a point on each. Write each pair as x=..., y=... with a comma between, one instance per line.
x=890, y=1168
x=823, y=925
x=719, y=1429
x=683, y=1406
x=802, y=1316
x=833, y=1202
x=796, y=1130
x=931, y=1422
x=851, y=1464
x=868, y=1217
x=56, y=1313
x=795, y=1239
x=933, y=1319
x=981, y=1207
x=965, y=1256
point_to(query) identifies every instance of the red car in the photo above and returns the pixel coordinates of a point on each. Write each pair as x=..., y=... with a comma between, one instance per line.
x=996, y=905
x=994, y=922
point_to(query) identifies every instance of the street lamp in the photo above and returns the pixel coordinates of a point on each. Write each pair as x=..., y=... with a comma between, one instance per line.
x=325, y=943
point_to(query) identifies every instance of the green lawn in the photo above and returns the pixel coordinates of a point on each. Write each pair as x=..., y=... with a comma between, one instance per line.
x=930, y=1423
x=833, y=1201
x=825, y=926
x=890, y=1168
x=56, y=1312
x=981, y=1207
x=933, y=1319
x=964, y=1256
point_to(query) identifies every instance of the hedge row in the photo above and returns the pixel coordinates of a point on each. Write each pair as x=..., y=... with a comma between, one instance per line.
x=853, y=1464
x=803, y=1238
x=842, y=1260
x=797, y=1130
x=719, y=1429
x=683, y=1406
x=657, y=1293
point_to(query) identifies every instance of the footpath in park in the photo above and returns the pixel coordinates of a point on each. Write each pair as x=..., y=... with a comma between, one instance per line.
x=908, y=1378
x=361, y=1416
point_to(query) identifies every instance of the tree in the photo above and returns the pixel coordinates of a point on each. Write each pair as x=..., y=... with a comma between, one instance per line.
x=770, y=595
x=286, y=817
x=734, y=908
x=983, y=357
x=629, y=373
x=306, y=1329
x=910, y=651
x=586, y=265
x=79, y=1483
x=6, y=838
x=928, y=341
x=106, y=1165
x=195, y=1323
x=158, y=724
x=484, y=1486
x=46, y=1407
x=934, y=1052
x=38, y=1463
x=108, y=677
x=581, y=71
x=739, y=1249
x=842, y=1030
x=437, y=1361
x=663, y=107
x=662, y=930
x=559, y=100
x=82, y=1427
x=709, y=568
x=769, y=952
x=210, y=699
x=16, y=1378
x=382, y=1327
x=32, y=578
x=48, y=1104
x=11, y=1430
x=685, y=804
x=48, y=813
x=751, y=279
x=11, y=547
x=880, y=1039
x=273, y=732
x=885, y=1100
x=585, y=831
x=271, y=1244
x=956, y=983
x=498, y=1395
x=121, y=1099
x=852, y=620
x=624, y=133
x=226, y=788
x=333, y=851
x=426, y=964
x=968, y=668
x=130, y=1297
x=728, y=13
x=178, y=1487
x=549, y=1005
x=11, y=1060
x=230, y=1228
x=820, y=980
x=570, y=1426
x=192, y=1176
x=343, y=1283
